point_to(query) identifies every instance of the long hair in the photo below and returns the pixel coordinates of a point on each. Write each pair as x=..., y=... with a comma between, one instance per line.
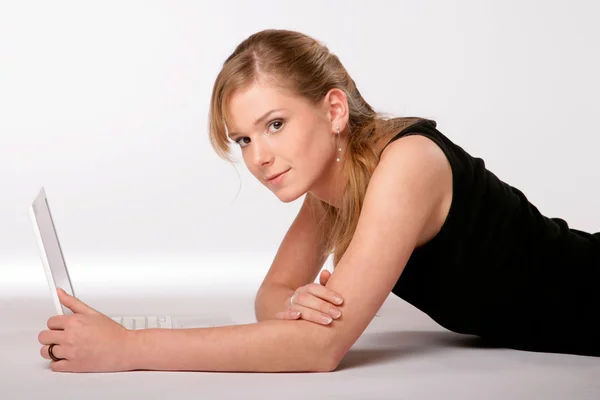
x=304, y=66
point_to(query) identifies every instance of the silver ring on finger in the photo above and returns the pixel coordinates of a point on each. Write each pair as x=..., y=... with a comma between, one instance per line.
x=292, y=298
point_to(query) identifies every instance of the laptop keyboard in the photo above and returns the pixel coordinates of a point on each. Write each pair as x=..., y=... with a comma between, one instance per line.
x=137, y=323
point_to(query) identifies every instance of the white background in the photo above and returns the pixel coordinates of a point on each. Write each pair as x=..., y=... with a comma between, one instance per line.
x=105, y=104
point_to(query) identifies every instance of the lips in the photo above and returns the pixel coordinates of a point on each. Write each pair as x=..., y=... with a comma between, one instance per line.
x=276, y=175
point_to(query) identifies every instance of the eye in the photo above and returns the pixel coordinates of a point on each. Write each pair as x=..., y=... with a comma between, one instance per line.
x=278, y=121
x=244, y=139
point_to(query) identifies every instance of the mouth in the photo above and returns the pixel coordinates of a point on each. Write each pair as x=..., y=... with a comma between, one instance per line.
x=276, y=175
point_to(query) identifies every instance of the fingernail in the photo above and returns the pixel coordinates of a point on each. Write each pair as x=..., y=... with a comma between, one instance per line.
x=326, y=320
x=338, y=300
x=335, y=313
x=296, y=314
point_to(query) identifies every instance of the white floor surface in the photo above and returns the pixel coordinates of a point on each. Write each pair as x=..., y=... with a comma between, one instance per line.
x=402, y=355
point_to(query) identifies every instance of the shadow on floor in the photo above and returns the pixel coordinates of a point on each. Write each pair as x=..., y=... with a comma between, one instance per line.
x=402, y=344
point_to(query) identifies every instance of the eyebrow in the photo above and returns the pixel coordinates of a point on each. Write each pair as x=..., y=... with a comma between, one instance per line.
x=258, y=120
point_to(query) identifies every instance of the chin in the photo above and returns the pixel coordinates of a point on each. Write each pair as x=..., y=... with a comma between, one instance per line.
x=287, y=196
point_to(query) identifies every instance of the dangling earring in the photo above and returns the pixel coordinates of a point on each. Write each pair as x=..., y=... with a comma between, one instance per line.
x=339, y=147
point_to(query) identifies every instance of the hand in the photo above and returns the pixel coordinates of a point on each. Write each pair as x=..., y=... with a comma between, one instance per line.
x=88, y=340
x=314, y=302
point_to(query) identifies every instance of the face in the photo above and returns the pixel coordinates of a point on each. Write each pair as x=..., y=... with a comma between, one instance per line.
x=297, y=141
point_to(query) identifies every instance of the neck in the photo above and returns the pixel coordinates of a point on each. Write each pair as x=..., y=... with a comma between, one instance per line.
x=330, y=187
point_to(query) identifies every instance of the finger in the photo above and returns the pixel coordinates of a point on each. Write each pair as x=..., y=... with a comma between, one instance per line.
x=312, y=315
x=59, y=366
x=324, y=277
x=74, y=304
x=57, y=350
x=324, y=293
x=58, y=322
x=44, y=352
x=308, y=300
x=47, y=337
x=288, y=314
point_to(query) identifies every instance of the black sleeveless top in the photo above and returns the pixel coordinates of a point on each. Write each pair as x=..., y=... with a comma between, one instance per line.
x=501, y=270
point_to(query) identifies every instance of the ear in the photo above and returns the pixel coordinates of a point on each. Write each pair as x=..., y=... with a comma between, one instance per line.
x=336, y=106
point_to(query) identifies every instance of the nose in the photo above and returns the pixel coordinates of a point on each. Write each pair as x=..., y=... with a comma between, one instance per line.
x=262, y=153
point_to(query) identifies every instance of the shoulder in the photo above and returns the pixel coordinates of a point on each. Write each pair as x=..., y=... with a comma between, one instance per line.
x=413, y=171
x=414, y=151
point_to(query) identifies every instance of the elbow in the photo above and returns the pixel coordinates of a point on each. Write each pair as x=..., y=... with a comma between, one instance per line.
x=327, y=364
x=330, y=356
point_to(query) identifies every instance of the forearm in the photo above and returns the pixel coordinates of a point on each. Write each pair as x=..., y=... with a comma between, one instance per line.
x=268, y=346
x=270, y=300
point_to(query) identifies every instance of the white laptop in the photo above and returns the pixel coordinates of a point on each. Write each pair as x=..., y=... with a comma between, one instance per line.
x=58, y=277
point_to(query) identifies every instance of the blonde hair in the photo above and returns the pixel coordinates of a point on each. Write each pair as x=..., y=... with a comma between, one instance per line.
x=300, y=64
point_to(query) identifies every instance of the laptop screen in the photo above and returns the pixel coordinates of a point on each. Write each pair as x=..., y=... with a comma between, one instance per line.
x=51, y=246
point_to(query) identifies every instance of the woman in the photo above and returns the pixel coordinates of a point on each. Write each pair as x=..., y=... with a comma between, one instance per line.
x=401, y=207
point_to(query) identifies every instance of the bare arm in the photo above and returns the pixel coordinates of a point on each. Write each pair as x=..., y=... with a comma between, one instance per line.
x=296, y=263
x=404, y=201
x=270, y=300
x=404, y=195
x=268, y=346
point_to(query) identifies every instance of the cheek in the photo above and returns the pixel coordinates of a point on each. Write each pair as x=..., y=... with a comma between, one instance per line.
x=315, y=160
x=320, y=151
x=311, y=147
